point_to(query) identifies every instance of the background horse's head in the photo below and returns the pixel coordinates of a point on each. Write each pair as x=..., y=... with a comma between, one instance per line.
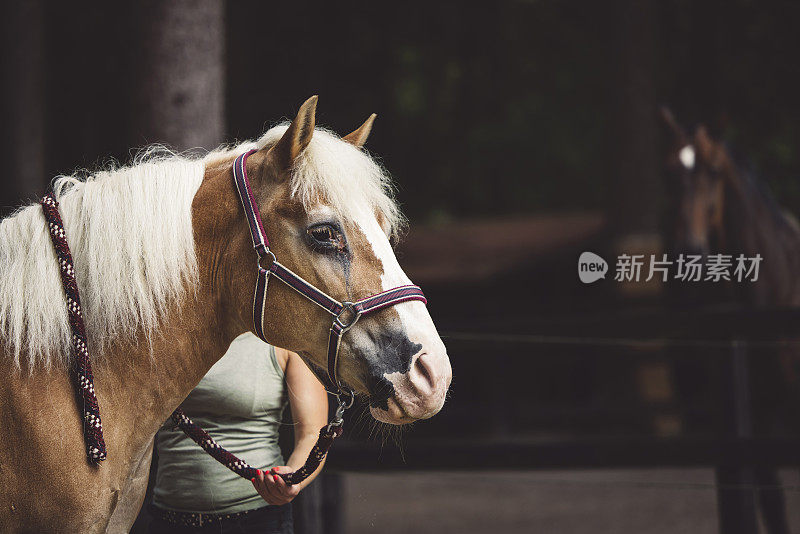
x=698, y=169
x=329, y=214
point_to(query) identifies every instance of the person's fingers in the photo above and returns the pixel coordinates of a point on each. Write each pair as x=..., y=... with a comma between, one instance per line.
x=286, y=490
x=276, y=475
x=262, y=485
x=289, y=490
x=258, y=484
x=272, y=487
x=258, y=480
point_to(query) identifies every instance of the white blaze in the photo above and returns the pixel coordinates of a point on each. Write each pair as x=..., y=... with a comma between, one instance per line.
x=686, y=155
x=417, y=393
x=414, y=316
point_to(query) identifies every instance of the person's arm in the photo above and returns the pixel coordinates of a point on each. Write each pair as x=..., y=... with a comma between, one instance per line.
x=309, y=404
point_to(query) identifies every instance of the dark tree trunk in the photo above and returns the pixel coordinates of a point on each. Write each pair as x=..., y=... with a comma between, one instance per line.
x=180, y=99
x=23, y=150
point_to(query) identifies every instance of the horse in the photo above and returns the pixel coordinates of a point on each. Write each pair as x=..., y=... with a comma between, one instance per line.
x=720, y=207
x=166, y=269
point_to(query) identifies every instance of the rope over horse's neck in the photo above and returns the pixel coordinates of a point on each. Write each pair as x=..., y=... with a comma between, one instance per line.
x=83, y=379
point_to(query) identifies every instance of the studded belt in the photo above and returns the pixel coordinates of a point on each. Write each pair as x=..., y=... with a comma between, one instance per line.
x=196, y=519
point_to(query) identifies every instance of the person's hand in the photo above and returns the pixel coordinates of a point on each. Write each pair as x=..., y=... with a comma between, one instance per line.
x=272, y=488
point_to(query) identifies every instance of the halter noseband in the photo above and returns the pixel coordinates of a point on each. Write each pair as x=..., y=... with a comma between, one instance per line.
x=345, y=314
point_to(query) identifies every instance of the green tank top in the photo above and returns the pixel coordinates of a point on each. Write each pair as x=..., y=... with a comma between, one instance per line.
x=240, y=402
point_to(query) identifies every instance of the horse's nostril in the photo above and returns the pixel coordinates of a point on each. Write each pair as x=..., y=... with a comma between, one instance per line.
x=423, y=374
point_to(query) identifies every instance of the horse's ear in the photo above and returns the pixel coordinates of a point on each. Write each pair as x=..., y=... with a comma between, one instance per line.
x=713, y=152
x=296, y=138
x=359, y=137
x=678, y=134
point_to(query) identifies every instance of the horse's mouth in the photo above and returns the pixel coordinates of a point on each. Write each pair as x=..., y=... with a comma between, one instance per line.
x=393, y=414
x=380, y=391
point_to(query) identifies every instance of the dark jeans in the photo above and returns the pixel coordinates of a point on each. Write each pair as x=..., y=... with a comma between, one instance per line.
x=267, y=520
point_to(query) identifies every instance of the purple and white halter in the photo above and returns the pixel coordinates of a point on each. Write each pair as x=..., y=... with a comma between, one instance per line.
x=345, y=314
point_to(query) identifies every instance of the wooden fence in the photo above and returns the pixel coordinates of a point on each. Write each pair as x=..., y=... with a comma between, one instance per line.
x=730, y=339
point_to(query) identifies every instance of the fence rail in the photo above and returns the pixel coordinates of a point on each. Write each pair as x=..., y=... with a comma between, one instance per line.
x=588, y=453
x=734, y=452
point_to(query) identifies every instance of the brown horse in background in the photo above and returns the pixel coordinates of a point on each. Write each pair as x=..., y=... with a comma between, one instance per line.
x=720, y=208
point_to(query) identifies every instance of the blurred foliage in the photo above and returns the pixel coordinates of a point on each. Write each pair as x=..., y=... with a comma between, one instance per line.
x=484, y=109
x=510, y=108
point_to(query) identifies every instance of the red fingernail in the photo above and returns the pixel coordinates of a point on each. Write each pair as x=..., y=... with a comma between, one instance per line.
x=258, y=471
x=275, y=477
x=253, y=480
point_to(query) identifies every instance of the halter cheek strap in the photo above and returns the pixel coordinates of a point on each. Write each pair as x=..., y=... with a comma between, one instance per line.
x=345, y=314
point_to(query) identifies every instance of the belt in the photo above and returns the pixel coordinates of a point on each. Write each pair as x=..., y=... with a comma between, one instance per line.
x=197, y=519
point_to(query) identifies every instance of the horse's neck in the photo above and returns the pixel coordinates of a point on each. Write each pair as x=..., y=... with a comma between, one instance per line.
x=154, y=377
x=139, y=382
x=753, y=227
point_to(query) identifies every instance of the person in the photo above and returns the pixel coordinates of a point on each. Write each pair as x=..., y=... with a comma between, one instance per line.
x=240, y=402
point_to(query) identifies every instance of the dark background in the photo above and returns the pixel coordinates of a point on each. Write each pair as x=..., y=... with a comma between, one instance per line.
x=520, y=133
x=513, y=107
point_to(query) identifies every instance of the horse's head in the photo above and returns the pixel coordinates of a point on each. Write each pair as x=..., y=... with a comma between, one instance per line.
x=329, y=215
x=698, y=168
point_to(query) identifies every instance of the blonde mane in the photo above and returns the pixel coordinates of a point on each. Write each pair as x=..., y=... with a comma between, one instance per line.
x=130, y=233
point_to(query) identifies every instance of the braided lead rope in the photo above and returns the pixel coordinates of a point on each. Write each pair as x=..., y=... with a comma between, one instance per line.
x=83, y=380
x=327, y=435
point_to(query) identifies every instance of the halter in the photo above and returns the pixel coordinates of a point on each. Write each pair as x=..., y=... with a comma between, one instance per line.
x=345, y=314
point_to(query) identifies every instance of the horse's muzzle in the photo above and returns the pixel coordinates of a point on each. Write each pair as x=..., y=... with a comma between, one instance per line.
x=419, y=393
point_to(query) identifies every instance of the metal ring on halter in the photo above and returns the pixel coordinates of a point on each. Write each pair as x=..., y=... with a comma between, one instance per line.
x=266, y=253
x=356, y=314
x=338, y=419
x=344, y=405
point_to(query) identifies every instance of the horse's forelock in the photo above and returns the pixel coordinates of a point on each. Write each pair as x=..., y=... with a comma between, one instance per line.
x=343, y=176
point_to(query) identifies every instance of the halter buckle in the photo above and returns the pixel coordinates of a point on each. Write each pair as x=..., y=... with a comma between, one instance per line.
x=355, y=314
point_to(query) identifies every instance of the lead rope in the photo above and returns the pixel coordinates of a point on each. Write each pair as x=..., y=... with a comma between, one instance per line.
x=82, y=378
x=327, y=435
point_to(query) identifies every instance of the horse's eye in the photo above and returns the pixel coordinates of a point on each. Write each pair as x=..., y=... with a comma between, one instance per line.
x=322, y=233
x=326, y=236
